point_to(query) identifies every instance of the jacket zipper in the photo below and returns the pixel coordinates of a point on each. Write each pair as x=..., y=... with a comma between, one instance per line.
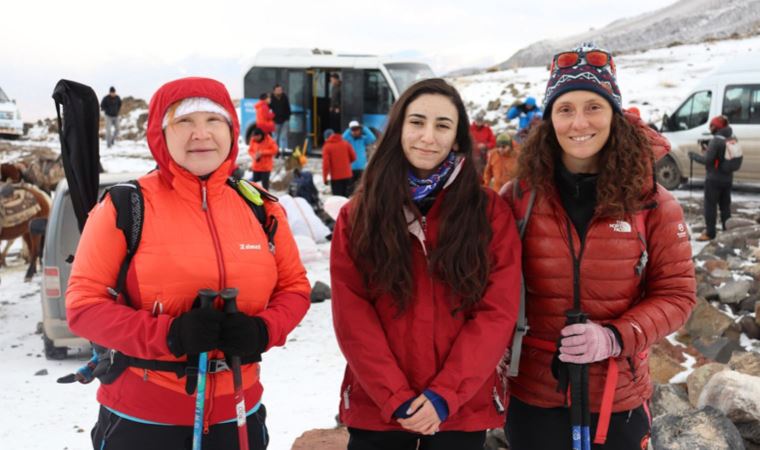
x=222, y=284
x=576, y=262
x=423, y=223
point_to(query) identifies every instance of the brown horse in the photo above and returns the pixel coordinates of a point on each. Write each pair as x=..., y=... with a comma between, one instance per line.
x=43, y=170
x=34, y=242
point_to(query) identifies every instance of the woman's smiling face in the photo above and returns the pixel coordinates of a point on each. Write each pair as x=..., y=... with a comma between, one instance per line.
x=429, y=132
x=582, y=121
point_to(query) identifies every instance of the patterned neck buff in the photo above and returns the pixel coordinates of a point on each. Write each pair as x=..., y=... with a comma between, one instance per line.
x=422, y=187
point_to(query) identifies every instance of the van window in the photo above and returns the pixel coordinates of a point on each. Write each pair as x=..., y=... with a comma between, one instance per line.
x=406, y=74
x=3, y=98
x=693, y=112
x=741, y=103
x=377, y=93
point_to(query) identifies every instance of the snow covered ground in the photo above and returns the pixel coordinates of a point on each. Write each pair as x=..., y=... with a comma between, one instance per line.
x=302, y=379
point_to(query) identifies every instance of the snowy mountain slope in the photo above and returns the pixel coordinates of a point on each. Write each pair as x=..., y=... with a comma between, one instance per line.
x=684, y=22
x=656, y=81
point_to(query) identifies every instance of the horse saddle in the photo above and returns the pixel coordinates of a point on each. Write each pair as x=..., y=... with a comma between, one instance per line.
x=17, y=205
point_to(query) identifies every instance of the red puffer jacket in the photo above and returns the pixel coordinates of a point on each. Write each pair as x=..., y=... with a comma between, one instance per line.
x=393, y=358
x=197, y=233
x=611, y=293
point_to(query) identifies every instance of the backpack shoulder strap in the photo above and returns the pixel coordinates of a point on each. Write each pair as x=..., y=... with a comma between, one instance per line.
x=524, y=207
x=255, y=198
x=129, y=203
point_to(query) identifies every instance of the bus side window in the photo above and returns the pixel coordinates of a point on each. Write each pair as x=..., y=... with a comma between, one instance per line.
x=377, y=93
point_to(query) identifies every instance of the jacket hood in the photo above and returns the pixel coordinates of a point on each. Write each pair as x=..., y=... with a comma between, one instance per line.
x=173, y=92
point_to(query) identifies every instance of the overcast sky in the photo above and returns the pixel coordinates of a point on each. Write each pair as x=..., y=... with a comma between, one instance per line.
x=137, y=45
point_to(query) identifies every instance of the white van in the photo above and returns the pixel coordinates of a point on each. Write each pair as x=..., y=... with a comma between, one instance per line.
x=10, y=117
x=732, y=90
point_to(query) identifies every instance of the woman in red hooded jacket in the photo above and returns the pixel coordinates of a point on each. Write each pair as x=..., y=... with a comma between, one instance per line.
x=606, y=262
x=198, y=232
x=425, y=276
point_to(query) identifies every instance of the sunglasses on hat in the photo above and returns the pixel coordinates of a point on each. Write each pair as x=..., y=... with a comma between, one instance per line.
x=596, y=58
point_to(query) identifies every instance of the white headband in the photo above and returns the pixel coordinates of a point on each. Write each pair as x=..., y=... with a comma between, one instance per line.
x=197, y=104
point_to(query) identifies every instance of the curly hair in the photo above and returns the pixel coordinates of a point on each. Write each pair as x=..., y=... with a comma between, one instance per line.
x=625, y=166
x=380, y=242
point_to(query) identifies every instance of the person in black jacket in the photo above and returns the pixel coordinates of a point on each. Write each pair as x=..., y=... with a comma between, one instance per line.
x=280, y=106
x=717, y=182
x=110, y=105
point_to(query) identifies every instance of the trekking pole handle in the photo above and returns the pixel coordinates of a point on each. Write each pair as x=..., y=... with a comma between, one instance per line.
x=207, y=297
x=575, y=316
x=229, y=296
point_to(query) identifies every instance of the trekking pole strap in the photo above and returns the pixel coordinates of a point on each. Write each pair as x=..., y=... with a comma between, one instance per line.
x=608, y=395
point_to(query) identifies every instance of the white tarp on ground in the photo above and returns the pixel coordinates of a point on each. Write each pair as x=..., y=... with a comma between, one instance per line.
x=302, y=219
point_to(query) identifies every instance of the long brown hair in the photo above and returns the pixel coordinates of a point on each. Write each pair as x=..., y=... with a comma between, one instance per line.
x=380, y=241
x=625, y=166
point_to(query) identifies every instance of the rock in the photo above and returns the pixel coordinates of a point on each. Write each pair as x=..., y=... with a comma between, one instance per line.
x=721, y=274
x=737, y=237
x=707, y=292
x=699, y=378
x=707, y=321
x=737, y=395
x=753, y=271
x=734, y=291
x=747, y=363
x=750, y=327
x=320, y=292
x=718, y=349
x=735, y=263
x=670, y=399
x=739, y=222
x=40, y=372
x=322, y=439
x=757, y=312
x=665, y=361
x=713, y=264
x=748, y=304
x=493, y=105
x=496, y=440
x=705, y=429
x=756, y=251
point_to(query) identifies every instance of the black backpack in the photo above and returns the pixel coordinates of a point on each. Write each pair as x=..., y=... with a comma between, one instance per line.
x=732, y=155
x=107, y=364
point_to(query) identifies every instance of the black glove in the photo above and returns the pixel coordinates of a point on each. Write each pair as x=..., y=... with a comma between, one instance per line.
x=195, y=331
x=243, y=335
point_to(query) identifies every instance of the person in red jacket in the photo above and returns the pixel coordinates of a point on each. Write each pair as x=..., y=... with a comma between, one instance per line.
x=198, y=232
x=337, y=156
x=264, y=114
x=425, y=267
x=602, y=239
x=262, y=149
x=483, y=140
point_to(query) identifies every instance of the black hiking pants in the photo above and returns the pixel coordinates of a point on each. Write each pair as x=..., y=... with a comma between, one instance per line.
x=401, y=440
x=263, y=178
x=356, y=176
x=112, y=432
x=531, y=428
x=717, y=194
x=341, y=187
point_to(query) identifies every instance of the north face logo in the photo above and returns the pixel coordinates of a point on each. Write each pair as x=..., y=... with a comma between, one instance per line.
x=621, y=226
x=250, y=246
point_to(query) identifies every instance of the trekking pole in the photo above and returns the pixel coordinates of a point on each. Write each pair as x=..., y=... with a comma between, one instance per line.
x=579, y=412
x=229, y=296
x=206, y=297
x=691, y=177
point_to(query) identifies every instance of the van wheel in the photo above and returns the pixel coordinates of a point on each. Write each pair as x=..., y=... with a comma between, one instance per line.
x=668, y=174
x=53, y=352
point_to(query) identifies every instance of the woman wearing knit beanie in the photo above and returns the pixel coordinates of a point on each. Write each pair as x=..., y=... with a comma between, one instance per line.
x=606, y=261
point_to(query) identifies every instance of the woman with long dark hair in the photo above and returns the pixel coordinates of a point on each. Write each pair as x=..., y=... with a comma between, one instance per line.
x=607, y=265
x=425, y=276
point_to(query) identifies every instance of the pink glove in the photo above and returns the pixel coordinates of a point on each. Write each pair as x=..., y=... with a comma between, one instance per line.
x=584, y=343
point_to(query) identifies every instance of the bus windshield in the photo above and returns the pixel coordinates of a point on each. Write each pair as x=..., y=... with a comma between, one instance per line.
x=406, y=74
